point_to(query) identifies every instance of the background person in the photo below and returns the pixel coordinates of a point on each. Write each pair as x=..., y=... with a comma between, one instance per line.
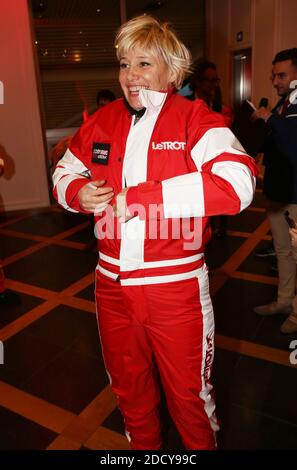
x=104, y=97
x=280, y=185
x=205, y=84
x=293, y=235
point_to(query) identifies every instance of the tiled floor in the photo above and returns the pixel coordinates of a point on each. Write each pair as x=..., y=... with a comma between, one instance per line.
x=54, y=392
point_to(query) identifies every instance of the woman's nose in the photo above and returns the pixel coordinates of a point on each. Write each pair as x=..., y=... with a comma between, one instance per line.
x=132, y=73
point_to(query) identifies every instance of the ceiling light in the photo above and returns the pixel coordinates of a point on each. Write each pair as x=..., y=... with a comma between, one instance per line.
x=76, y=56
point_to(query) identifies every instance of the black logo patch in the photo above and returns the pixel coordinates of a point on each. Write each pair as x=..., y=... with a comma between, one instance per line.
x=100, y=153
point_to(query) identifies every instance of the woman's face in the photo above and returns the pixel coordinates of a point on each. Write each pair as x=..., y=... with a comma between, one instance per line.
x=139, y=69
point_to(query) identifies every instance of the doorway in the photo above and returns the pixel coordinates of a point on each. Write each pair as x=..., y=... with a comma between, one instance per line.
x=242, y=77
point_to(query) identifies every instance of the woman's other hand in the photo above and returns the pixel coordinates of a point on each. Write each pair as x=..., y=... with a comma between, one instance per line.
x=120, y=208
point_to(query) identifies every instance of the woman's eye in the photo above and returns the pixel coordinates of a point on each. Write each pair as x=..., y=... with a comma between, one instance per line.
x=123, y=65
x=144, y=64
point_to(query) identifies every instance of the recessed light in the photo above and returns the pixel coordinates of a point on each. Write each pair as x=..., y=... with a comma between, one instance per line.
x=76, y=56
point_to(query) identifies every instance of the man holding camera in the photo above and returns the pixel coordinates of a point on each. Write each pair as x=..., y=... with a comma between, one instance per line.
x=280, y=184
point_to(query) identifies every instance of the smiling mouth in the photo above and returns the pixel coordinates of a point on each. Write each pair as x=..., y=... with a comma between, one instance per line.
x=136, y=89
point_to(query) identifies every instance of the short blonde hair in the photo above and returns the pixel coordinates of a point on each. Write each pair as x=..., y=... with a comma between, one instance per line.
x=157, y=38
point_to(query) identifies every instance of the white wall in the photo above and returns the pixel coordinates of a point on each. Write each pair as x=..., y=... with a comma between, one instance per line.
x=240, y=20
x=287, y=15
x=24, y=184
x=217, y=14
x=263, y=49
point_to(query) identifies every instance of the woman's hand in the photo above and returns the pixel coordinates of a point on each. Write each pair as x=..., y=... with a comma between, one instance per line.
x=293, y=235
x=94, y=197
x=120, y=208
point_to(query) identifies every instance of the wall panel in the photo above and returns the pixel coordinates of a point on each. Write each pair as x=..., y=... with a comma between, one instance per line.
x=24, y=184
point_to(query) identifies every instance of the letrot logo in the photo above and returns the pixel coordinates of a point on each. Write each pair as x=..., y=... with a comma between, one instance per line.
x=1, y=353
x=169, y=145
x=1, y=92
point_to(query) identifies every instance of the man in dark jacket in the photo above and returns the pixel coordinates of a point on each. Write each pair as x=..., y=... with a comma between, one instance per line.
x=280, y=183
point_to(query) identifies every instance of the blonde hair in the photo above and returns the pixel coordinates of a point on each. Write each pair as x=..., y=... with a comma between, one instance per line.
x=157, y=38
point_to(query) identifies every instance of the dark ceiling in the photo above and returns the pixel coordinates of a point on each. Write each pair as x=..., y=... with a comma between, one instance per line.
x=80, y=33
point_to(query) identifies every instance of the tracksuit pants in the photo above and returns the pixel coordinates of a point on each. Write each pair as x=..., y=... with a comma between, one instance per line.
x=166, y=330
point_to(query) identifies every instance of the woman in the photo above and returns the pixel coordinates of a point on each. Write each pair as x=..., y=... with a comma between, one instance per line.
x=159, y=165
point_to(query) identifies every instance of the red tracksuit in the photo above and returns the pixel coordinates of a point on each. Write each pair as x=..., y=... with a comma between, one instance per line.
x=154, y=311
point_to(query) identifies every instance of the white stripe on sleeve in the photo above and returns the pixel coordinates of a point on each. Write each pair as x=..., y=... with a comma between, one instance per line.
x=215, y=142
x=69, y=169
x=183, y=196
x=239, y=176
x=61, y=191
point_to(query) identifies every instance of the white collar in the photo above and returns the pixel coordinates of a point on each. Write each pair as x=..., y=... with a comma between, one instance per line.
x=152, y=100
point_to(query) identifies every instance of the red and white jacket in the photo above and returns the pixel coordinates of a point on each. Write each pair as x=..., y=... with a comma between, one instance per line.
x=183, y=165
